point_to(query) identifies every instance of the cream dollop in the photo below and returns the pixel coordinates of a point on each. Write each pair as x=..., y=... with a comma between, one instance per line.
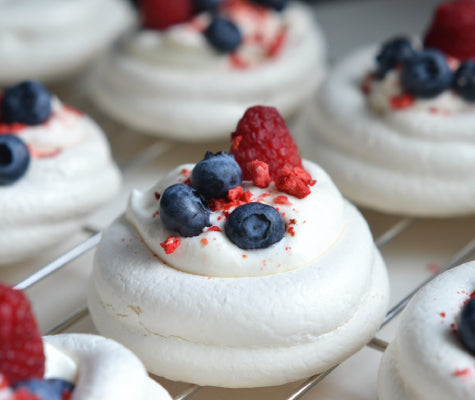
x=320, y=215
x=427, y=360
x=406, y=161
x=52, y=39
x=71, y=174
x=103, y=368
x=173, y=83
x=243, y=331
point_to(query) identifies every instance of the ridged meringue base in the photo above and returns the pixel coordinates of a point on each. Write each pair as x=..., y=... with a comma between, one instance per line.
x=56, y=195
x=407, y=162
x=427, y=360
x=239, y=332
x=106, y=370
x=201, y=103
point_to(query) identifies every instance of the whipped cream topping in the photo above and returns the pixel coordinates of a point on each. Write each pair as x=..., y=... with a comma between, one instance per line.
x=405, y=161
x=427, y=360
x=205, y=328
x=103, y=369
x=173, y=83
x=71, y=174
x=319, y=216
x=53, y=34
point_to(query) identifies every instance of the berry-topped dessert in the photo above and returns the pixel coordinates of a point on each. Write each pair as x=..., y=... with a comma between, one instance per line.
x=51, y=40
x=246, y=269
x=55, y=169
x=433, y=354
x=195, y=65
x=394, y=123
x=67, y=366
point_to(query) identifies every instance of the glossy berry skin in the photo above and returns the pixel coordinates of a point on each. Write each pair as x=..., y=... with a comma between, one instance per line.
x=28, y=103
x=206, y=5
x=46, y=389
x=466, y=328
x=161, y=14
x=14, y=159
x=184, y=210
x=426, y=74
x=255, y=226
x=392, y=53
x=223, y=35
x=277, y=5
x=215, y=175
x=464, y=81
x=21, y=347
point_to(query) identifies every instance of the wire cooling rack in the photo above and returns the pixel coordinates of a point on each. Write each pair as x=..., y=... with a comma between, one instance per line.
x=156, y=150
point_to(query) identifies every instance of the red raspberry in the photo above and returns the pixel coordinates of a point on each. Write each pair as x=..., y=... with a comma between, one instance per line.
x=262, y=135
x=21, y=347
x=453, y=29
x=161, y=14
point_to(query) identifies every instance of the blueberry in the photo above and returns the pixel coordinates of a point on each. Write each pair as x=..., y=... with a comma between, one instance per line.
x=466, y=328
x=223, y=34
x=392, y=53
x=464, y=81
x=206, y=5
x=255, y=226
x=46, y=389
x=216, y=174
x=28, y=103
x=14, y=159
x=277, y=5
x=183, y=209
x=426, y=74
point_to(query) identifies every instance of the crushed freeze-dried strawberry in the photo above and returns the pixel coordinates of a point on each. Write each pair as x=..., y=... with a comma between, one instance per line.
x=171, y=244
x=259, y=173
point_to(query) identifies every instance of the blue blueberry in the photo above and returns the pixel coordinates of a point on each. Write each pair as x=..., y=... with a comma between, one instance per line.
x=14, y=159
x=464, y=81
x=216, y=174
x=392, y=53
x=255, y=226
x=466, y=328
x=28, y=103
x=183, y=209
x=426, y=74
x=46, y=389
x=223, y=35
x=277, y=5
x=206, y=5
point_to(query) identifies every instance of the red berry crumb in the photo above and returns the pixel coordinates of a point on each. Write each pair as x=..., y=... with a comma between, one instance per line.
x=401, y=102
x=161, y=14
x=262, y=135
x=284, y=200
x=21, y=348
x=171, y=244
x=259, y=172
x=453, y=29
x=293, y=182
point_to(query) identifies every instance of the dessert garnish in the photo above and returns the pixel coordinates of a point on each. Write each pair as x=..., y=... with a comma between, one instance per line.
x=255, y=226
x=22, y=359
x=263, y=151
x=453, y=29
x=466, y=328
x=184, y=209
x=393, y=52
x=222, y=32
x=216, y=174
x=14, y=159
x=27, y=103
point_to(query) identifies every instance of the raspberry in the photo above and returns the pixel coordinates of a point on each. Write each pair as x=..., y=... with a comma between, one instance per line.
x=262, y=135
x=453, y=29
x=21, y=347
x=259, y=172
x=294, y=182
x=161, y=14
